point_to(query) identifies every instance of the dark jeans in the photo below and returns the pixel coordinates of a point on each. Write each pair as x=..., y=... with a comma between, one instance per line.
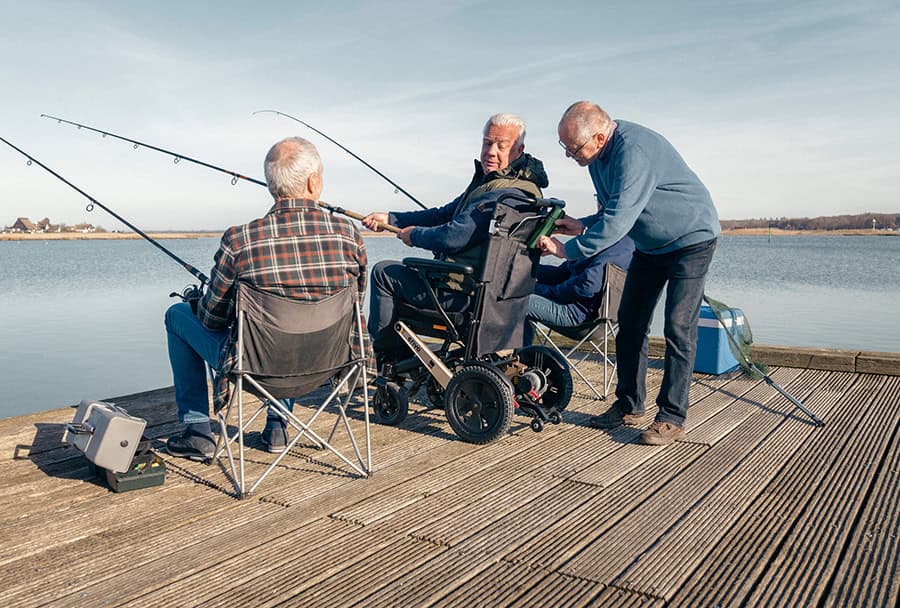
x=683, y=273
x=392, y=284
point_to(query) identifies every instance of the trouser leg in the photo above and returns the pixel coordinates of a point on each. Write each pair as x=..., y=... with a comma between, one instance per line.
x=545, y=310
x=686, y=274
x=392, y=284
x=191, y=344
x=643, y=287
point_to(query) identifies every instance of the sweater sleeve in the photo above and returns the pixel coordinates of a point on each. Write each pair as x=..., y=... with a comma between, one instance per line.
x=633, y=181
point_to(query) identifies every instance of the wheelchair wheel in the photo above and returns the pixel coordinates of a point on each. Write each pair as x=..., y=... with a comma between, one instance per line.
x=390, y=403
x=479, y=404
x=548, y=375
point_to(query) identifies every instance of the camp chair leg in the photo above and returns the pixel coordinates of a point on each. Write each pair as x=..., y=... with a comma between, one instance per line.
x=568, y=356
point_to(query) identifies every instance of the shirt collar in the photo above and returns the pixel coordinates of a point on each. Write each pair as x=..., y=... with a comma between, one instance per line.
x=288, y=204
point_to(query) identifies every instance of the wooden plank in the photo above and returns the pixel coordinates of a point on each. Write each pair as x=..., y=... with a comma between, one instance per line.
x=869, y=575
x=731, y=571
x=566, y=536
x=606, y=557
x=665, y=566
x=811, y=552
x=868, y=362
x=505, y=584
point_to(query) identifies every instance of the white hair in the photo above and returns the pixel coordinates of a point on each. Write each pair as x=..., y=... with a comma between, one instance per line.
x=588, y=119
x=507, y=120
x=289, y=165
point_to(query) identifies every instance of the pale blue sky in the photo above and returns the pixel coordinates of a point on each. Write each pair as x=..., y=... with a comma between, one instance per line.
x=783, y=109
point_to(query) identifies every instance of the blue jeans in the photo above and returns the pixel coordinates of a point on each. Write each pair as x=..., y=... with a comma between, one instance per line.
x=545, y=310
x=683, y=274
x=190, y=345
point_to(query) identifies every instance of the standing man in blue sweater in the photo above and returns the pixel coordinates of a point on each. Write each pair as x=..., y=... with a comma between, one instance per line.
x=648, y=192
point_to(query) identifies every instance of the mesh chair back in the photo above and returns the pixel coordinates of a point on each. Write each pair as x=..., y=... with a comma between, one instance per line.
x=292, y=346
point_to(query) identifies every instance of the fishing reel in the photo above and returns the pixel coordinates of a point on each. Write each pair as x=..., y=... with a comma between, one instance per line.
x=190, y=294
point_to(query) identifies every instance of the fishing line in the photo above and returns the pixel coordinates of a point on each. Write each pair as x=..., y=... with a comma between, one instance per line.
x=397, y=187
x=235, y=177
x=93, y=201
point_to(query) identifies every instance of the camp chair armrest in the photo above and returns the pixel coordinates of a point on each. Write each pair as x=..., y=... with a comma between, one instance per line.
x=438, y=266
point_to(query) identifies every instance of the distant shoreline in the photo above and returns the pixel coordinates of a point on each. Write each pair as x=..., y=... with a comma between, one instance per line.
x=114, y=236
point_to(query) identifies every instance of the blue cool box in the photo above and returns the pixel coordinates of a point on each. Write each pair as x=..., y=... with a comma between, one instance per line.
x=713, y=352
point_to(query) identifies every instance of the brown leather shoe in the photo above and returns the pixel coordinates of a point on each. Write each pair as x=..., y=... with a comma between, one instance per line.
x=613, y=418
x=661, y=433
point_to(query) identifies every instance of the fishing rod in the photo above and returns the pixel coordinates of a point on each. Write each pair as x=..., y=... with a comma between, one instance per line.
x=235, y=177
x=93, y=201
x=380, y=174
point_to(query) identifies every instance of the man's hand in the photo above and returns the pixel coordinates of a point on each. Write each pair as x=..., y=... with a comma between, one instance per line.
x=569, y=225
x=375, y=221
x=551, y=246
x=404, y=235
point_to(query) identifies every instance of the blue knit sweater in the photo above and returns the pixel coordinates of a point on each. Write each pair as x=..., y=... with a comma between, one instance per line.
x=648, y=192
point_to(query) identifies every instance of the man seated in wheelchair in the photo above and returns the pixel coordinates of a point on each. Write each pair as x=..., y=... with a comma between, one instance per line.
x=568, y=295
x=447, y=298
x=297, y=250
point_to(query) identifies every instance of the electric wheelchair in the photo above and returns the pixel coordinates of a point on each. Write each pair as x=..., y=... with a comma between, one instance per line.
x=473, y=364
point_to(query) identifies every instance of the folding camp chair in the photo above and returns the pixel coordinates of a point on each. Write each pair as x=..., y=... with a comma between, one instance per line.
x=596, y=331
x=287, y=348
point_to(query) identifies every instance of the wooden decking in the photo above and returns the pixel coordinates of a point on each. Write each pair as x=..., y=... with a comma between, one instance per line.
x=755, y=507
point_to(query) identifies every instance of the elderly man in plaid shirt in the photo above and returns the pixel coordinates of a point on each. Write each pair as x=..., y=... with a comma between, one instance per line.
x=297, y=250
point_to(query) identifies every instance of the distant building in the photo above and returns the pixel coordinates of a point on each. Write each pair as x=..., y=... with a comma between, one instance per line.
x=23, y=224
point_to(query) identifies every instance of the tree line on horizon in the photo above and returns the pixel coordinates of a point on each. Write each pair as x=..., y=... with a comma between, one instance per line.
x=859, y=221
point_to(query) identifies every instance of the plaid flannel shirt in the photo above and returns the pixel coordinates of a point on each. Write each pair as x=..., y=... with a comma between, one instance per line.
x=297, y=250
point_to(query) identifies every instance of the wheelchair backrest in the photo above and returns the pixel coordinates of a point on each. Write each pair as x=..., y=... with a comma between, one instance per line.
x=508, y=273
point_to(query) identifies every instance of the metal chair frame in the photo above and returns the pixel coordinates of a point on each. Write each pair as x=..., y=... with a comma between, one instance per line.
x=349, y=377
x=606, y=319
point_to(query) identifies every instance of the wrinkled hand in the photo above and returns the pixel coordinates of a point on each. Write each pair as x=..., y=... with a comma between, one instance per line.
x=404, y=235
x=375, y=221
x=551, y=246
x=569, y=225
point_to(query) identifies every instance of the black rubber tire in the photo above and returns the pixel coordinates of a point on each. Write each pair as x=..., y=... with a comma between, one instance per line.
x=556, y=368
x=555, y=418
x=479, y=404
x=391, y=404
x=536, y=425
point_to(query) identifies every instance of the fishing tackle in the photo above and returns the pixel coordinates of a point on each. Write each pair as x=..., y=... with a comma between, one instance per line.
x=380, y=174
x=235, y=177
x=190, y=292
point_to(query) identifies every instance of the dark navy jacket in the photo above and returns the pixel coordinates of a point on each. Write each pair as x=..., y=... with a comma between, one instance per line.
x=577, y=283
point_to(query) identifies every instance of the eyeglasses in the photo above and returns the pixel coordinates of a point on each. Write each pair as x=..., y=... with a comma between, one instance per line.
x=576, y=150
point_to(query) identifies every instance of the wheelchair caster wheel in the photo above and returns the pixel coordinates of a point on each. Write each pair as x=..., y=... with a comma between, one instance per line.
x=547, y=381
x=555, y=418
x=536, y=425
x=390, y=403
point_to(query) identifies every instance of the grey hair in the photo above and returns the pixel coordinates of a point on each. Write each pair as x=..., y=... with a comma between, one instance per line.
x=588, y=119
x=507, y=120
x=289, y=165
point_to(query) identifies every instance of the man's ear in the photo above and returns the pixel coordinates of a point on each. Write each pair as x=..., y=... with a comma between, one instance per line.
x=519, y=151
x=314, y=184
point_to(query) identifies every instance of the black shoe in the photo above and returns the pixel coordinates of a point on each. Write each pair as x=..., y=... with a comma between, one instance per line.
x=614, y=418
x=275, y=436
x=192, y=445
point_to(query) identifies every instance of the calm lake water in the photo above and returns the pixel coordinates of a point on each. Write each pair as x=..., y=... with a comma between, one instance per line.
x=84, y=319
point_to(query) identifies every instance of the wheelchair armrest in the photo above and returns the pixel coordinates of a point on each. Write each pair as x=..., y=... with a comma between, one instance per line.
x=438, y=266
